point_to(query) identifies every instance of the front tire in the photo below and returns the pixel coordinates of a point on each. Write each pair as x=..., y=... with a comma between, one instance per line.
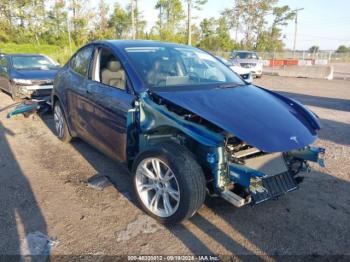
x=169, y=184
x=61, y=126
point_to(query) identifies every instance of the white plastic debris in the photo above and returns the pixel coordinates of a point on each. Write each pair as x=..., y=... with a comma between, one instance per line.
x=37, y=243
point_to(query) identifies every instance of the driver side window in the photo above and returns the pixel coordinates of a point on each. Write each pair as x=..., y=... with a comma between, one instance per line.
x=81, y=61
x=108, y=69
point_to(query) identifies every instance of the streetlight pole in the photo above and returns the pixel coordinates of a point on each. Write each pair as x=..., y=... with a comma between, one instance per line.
x=296, y=29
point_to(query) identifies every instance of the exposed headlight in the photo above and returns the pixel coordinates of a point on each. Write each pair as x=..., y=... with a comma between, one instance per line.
x=22, y=81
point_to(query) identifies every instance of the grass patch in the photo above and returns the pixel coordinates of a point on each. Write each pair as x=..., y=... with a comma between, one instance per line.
x=60, y=54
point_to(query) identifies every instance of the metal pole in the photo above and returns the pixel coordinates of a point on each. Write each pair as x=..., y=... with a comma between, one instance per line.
x=296, y=29
x=189, y=22
x=69, y=36
x=133, y=19
x=136, y=19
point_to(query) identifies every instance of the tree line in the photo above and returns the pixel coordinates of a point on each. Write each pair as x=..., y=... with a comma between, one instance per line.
x=245, y=24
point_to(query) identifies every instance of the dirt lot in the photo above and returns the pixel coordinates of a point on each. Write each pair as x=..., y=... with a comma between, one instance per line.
x=43, y=188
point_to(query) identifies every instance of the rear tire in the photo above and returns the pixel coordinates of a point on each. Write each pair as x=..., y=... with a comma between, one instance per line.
x=61, y=126
x=180, y=189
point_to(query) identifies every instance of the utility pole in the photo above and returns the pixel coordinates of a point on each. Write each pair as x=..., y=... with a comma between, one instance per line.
x=296, y=29
x=189, y=22
x=133, y=31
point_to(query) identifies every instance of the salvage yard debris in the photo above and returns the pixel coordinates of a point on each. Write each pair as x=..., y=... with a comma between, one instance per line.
x=28, y=107
x=99, y=182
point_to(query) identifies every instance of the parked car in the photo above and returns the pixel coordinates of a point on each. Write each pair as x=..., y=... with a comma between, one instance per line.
x=27, y=75
x=243, y=72
x=184, y=124
x=249, y=60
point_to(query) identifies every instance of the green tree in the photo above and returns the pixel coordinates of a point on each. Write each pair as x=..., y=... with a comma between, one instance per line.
x=56, y=25
x=119, y=22
x=171, y=14
x=216, y=36
x=82, y=17
x=192, y=4
x=5, y=21
x=343, y=49
x=140, y=22
x=314, y=49
x=270, y=40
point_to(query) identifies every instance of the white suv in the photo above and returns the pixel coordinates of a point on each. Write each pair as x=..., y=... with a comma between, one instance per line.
x=249, y=60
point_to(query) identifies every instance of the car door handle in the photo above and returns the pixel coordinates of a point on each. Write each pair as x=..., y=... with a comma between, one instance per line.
x=89, y=92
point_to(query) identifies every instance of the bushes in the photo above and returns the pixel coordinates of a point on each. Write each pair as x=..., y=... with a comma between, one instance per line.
x=60, y=54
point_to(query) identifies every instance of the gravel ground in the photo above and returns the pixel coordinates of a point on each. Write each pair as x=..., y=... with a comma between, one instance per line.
x=341, y=70
x=43, y=188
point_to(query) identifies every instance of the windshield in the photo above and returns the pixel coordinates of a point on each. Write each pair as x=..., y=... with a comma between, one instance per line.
x=33, y=63
x=245, y=55
x=179, y=66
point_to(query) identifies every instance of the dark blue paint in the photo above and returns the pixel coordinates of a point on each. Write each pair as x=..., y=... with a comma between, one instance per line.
x=34, y=74
x=94, y=111
x=254, y=115
x=242, y=174
x=259, y=117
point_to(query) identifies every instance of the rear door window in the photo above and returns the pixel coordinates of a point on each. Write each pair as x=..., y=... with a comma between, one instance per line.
x=81, y=61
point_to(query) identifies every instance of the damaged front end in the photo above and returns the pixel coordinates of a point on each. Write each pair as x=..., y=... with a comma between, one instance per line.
x=257, y=176
x=239, y=173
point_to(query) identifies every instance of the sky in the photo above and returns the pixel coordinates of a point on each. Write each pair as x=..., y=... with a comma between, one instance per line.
x=325, y=23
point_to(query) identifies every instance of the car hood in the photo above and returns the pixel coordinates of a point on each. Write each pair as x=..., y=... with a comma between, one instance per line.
x=260, y=118
x=35, y=74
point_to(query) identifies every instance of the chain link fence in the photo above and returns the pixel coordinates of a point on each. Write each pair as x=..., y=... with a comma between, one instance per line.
x=330, y=56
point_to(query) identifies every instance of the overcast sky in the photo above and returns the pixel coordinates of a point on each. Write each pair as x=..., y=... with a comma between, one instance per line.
x=325, y=23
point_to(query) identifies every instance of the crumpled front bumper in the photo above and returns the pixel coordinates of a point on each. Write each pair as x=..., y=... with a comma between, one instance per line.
x=313, y=154
x=263, y=186
x=34, y=90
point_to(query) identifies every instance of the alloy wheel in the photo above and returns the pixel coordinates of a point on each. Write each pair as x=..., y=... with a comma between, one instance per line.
x=157, y=187
x=59, y=121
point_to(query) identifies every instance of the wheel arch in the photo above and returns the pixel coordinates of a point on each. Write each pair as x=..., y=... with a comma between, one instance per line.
x=55, y=98
x=169, y=133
